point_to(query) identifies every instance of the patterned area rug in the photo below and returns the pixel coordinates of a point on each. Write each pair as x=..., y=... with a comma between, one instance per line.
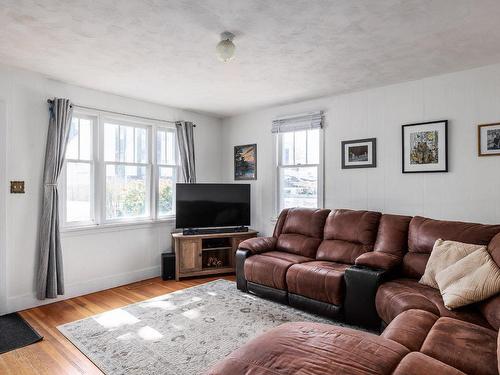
x=184, y=332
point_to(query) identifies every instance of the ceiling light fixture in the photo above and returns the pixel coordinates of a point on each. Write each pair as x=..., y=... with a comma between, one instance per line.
x=225, y=48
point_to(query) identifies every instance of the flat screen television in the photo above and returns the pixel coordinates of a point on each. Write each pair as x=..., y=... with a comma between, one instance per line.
x=212, y=205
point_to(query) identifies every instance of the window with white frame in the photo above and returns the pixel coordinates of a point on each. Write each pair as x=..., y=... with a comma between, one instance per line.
x=299, y=171
x=299, y=161
x=117, y=170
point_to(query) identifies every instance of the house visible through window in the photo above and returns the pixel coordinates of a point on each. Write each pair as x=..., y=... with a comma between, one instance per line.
x=117, y=171
x=299, y=173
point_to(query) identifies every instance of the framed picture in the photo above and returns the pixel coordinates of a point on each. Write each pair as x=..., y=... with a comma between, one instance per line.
x=359, y=153
x=488, y=139
x=245, y=162
x=425, y=147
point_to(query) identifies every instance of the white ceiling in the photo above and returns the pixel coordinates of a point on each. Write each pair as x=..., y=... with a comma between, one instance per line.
x=287, y=50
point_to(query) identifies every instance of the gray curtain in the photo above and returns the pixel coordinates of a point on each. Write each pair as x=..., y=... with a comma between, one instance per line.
x=50, y=280
x=185, y=140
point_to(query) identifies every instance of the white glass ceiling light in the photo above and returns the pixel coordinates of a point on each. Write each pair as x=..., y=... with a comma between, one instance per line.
x=225, y=48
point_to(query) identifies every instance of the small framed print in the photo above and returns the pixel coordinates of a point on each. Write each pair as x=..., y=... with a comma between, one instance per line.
x=359, y=153
x=245, y=162
x=488, y=139
x=425, y=147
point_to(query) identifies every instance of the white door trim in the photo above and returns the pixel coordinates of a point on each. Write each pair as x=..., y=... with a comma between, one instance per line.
x=3, y=208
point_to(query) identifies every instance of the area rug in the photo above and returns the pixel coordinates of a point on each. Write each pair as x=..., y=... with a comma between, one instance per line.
x=184, y=332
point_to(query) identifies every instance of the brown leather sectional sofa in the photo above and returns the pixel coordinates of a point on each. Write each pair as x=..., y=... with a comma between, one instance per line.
x=357, y=265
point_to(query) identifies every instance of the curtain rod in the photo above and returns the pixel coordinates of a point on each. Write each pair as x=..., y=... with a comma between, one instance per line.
x=118, y=113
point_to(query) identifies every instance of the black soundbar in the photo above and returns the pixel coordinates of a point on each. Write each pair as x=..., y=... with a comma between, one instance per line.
x=194, y=231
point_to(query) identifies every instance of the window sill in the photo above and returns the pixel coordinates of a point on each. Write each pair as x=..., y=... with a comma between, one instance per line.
x=113, y=227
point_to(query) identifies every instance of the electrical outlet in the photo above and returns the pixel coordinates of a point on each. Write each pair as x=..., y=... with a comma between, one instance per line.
x=17, y=187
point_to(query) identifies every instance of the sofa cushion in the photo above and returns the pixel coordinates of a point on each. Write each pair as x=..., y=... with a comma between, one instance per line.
x=423, y=233
x=472, y=279
x=278, y=227
x=270, y=268
x=444, y=254
x=391, y=243
x=301, y=231
x=494, y=248
x=417, y=363
x=399, y=295
x=392, y=235
x=320, y=280
x=491, y=311
x=313, y=348
x=306, y=221
x=347, y=235
x=298, y=244
x=463, y=345
x=410, y=328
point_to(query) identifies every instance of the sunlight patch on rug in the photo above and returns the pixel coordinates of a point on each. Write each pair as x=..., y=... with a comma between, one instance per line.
x=184, y=332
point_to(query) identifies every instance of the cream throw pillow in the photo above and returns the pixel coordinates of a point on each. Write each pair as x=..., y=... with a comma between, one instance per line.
x=444, y=254
x=471, y=279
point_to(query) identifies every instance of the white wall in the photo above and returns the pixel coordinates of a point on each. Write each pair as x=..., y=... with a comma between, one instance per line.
x=92, y=261
x=3, y=189
x=470, y=191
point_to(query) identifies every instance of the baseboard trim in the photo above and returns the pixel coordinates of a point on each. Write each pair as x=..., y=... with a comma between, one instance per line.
x=28, y=301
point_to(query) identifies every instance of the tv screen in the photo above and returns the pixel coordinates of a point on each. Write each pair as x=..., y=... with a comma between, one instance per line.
x=212, y=205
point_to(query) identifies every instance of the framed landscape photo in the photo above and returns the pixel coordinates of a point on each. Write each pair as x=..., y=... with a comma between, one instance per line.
x=359, y=153
x=245, y=162
x=425, y=147
x=488, y=139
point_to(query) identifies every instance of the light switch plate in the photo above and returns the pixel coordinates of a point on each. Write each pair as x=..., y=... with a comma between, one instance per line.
x=17, y=187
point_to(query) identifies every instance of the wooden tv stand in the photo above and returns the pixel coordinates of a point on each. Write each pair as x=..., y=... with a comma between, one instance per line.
x=206, y=254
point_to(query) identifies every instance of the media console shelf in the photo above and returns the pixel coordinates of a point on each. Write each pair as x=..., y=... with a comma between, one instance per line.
x=206, y=254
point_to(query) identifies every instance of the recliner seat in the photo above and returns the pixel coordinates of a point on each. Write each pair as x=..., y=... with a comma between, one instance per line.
x=297, y=235
x=308, y=255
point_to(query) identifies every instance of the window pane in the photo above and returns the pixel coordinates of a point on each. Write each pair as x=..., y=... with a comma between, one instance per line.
x=72, y=146
x=85, y=129
x=171, y=148
x=141, y=145
x=165, y=149
x=126, y=189
x=165, y=191
x=287, y=148
x=111, y=142
x=161, y=147
x=313, y=146
x=301, y=147
x=78, y=192
x=127, y=144
x=299, y=187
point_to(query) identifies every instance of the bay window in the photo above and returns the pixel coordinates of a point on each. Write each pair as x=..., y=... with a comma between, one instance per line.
x=117, y=171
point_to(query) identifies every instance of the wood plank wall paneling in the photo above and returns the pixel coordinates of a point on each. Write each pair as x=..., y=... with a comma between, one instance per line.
x=55, y=355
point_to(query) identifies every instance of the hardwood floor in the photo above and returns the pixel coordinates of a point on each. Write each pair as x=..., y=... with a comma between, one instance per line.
x=55, y=355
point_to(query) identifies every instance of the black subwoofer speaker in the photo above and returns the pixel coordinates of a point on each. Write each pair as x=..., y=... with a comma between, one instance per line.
x=168, y=266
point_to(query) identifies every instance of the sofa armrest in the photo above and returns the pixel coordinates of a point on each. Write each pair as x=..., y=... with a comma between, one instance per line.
x=240, y=257
x=258, y=245
x=361, y=288
x=378, y=260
